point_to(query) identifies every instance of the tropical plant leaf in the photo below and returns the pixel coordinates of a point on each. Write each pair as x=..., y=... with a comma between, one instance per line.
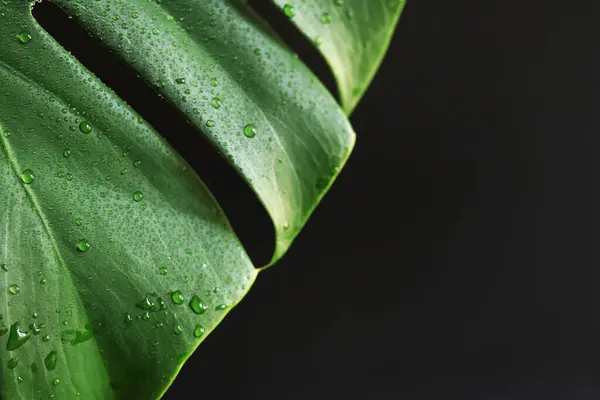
x=352, y=35
x=117, y=261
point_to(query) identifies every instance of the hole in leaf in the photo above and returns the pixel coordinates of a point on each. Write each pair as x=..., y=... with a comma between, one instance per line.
x=243, y=209
x=300, y=44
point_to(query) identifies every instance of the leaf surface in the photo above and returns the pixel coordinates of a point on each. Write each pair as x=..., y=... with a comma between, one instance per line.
x=82, y=171
x=352, y=35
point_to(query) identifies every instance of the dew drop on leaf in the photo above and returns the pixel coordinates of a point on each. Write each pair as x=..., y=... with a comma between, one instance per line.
x=24, y=37
x=197, y=305
x=216, y=102
x=145, y=304
x=289, y=11
x=221, y=307
x=162, y=270
x=177, y=297
x=27, y=176
x=83, y=245
x=177, y=328
x=85, y=127
x=50, y=360
x=138, y=196
x=55, y=381
x=14, y=289
x=4, y=267
x=17, y=337
x=199, y=331
x=250, y=130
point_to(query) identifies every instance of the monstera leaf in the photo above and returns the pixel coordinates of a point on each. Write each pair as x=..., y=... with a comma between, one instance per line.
x=116, y=260
x=352, y=35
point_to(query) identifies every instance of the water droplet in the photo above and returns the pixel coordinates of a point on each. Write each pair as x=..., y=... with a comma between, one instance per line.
x=159, y=325
x=69, y=176
x=14, y=289
x=161, y=304
x=289, y=11
x=128, y=318
x=199, y=331
x=4, y=267
x=216, y=102
x=197, y=305
x=250, y=130
x=221, y=307
x=177, y=297
x=138, y=196
x=78, y=222
x=210, y=123
x=146, y=316
x=24, y=37
x=338, y=3
x=137, y=163
x=83, y=245
x=123, y=171
x=55, y=381
x=12, y=363
x=257, y=51
x=180, y=81
x=85, y=127
x=155, y=31
x=135, y=15
x=27, y=176
x=162, y=270
x=50, y=360
x=325, y=18
x=46, y=338
x=20, y=379
x=177, y=328
x=145, y=304
x=214, y=82
x=17, y=337
x=67, y=153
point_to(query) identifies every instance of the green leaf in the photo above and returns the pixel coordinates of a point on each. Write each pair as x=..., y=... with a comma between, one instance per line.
x=117, y=269
x=352, y=35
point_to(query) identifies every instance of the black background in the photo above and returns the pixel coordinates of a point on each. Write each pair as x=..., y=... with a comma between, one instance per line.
x=455, y=257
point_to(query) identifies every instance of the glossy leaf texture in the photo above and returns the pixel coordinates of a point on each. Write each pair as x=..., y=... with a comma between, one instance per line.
x=116, y=260
x=352, y=35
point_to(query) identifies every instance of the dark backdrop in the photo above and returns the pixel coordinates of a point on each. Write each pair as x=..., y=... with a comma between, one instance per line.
x=455, y=257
